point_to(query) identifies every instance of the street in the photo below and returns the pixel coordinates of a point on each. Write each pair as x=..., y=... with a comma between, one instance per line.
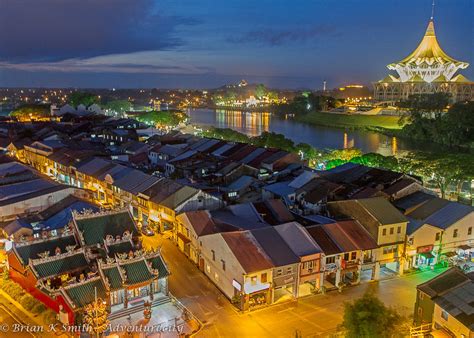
x=10, y=321
x=311, y=316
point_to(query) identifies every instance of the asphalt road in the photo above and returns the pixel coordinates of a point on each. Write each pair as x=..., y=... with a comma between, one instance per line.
x=312, y=316
x=10, y=322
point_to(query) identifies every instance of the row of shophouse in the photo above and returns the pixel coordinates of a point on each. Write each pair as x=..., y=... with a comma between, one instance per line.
x=152, y=200
x=256, y=262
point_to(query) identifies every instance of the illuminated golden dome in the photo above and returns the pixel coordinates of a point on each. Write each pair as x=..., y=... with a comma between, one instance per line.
x=428, y=60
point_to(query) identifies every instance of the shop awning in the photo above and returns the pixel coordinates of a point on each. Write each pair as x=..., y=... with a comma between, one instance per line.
x=183, y=238
x=440, y=333
x=449, y=254
x=427, y=255
x=464, y=247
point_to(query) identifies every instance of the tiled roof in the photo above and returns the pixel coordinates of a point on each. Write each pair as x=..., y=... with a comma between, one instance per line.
x=119, y=248
x=157, y=263
x=96, y=229
x=31, y=251
x=84, y=293
x=61, y=265
x=137, y=272
x=113, y=277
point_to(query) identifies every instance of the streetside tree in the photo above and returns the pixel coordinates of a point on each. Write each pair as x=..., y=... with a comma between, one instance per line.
x=368, y=317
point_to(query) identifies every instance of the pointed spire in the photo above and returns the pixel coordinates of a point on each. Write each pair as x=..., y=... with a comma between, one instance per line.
x=432, y=10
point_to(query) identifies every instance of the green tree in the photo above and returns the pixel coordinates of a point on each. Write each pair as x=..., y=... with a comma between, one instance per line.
x=84, y=98
x=118, y=106
x=31, y=112
x=260, y=91
x=442, y=169
x=368, y=317
x=163, y=118
x=274, y=140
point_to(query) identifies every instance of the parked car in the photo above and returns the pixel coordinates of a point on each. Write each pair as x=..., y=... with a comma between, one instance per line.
x=147, y=231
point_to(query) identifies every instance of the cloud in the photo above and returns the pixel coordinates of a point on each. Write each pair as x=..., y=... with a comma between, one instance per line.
x=110, y=64
x=275, y=37
x=55, y=30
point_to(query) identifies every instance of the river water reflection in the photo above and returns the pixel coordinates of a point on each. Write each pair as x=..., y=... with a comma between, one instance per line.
x=254, y=123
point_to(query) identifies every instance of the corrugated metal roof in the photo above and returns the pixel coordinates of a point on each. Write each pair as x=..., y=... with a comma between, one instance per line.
x=412, y=201
x=298, y=239
x=324, y=240
x=382, y=210
x=245, y=249
x=274, y=246
x=449, y=214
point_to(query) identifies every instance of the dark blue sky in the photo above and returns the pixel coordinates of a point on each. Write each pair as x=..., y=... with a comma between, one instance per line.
x=207, y=43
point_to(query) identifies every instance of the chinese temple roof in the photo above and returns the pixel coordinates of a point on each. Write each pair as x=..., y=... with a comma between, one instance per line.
x=83, y=293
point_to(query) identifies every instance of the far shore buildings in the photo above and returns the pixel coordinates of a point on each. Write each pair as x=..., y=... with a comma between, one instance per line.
x=427, y=70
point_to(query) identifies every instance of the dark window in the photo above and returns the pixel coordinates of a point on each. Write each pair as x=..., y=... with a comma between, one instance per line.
x=438, y=236
x=391, y=231
x=223, y=264
x=346, y=256
x=263, y=277
x=353, y=255
x=399, y=230
x=213, y=255
x=469, y=230
x=444, y=315
x=455, y=233
x=384, y=232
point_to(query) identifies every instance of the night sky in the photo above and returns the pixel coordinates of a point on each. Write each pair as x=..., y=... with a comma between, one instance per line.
x=208, y=43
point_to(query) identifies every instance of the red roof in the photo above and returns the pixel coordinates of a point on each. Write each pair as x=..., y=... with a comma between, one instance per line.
x=249, y=254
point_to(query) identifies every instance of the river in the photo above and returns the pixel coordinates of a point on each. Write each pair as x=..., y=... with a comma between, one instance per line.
x=321, y=137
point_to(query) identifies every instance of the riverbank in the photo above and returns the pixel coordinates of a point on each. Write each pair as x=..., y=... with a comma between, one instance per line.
x=378, y=123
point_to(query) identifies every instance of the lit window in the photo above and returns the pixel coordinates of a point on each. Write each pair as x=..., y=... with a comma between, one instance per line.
x=208, y=268
x=253, y=280
x=263, y=277
x=216, y=276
